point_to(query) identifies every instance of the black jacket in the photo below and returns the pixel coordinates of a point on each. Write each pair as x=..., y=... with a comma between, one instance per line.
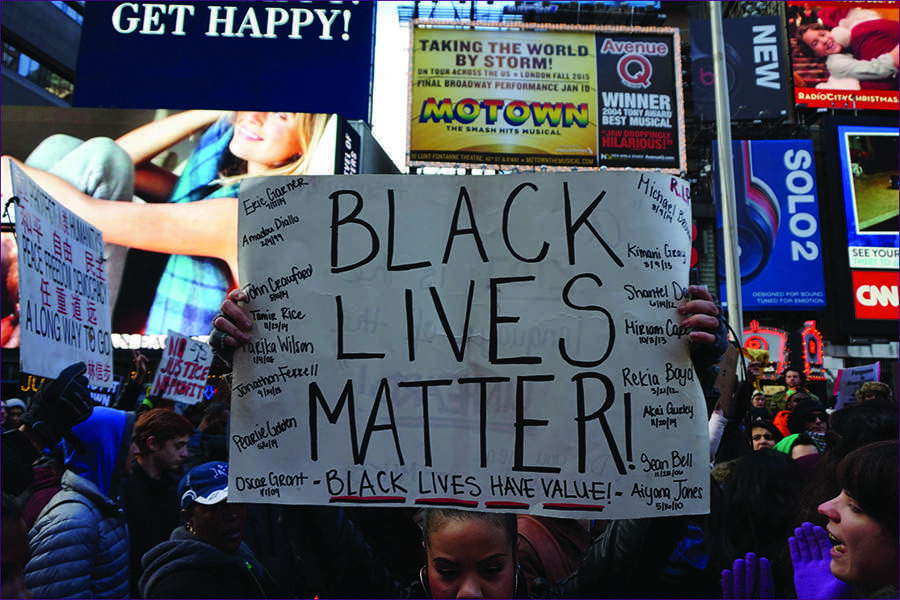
x=185, y=567
x=151, y=511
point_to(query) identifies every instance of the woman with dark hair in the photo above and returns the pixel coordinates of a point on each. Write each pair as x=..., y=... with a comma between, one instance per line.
x=757, y=513
x=849, y=428
x=862, y=520
x=857, y=556
x=470, y=555
x=764, y=434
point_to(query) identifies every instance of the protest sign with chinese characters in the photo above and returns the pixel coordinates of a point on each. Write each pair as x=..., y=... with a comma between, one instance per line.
x=494, y=343
x=64, y=298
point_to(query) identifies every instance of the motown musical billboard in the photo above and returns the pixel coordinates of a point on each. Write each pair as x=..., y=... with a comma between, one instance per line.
x=579, y=97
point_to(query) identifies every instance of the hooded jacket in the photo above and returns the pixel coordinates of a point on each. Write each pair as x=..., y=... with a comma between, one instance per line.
x=79, y=543
x=187, y=567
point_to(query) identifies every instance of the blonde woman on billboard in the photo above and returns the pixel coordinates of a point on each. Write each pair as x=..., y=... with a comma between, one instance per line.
x=197, y=224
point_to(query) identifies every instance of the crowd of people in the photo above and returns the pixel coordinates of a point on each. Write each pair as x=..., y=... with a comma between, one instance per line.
x=131, y=500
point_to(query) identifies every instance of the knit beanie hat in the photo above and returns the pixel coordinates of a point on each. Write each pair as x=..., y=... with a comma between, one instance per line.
x=797, y=418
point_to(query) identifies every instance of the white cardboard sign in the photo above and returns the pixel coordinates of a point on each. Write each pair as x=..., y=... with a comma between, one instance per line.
x=64, y=311
x=851, y=379
x=183, y=369
x=500, y=343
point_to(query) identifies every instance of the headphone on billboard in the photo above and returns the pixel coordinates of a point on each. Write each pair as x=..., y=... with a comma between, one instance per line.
x=758, y=217
x=702, y=74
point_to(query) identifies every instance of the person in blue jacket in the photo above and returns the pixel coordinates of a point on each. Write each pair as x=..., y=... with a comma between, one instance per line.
x=79, y=543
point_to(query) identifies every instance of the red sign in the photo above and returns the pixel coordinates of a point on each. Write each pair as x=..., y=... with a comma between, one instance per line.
x=876, y=295
x=768, y=338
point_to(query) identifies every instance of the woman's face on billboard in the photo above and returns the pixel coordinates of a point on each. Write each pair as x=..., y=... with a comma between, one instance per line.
x=265, y=139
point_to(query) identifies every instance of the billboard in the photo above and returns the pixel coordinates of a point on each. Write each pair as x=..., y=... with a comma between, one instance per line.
x=843, y=54
x=754, y=65
x=780, y=246
x=863, y=165
x=587, y=97
x=502, y=343
x=273, y=56
x=147, y=261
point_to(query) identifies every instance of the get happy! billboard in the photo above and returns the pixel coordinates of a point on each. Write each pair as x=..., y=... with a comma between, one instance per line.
x=586, y=97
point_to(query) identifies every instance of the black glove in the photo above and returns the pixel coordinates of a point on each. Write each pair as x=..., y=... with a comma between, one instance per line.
x=59, y=405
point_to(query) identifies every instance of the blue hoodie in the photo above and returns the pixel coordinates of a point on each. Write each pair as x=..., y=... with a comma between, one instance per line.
x=79, y=543
x=102, y=434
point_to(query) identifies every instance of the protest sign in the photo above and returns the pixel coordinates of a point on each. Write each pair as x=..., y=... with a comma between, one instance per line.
x=183, y=369
x=495, y=343
x=64, y=298
x=850, y=379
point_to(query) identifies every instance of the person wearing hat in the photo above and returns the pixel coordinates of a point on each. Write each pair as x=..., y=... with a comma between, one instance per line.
x=809, y=417
x=15, y=408
x=206, y=557
x=874, y=390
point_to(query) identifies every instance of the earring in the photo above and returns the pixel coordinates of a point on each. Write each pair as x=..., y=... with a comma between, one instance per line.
x=423, y=579
x=190, y=527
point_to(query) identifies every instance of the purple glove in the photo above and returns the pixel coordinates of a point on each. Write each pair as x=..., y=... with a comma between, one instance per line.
x=747, y=579
x=811, y=555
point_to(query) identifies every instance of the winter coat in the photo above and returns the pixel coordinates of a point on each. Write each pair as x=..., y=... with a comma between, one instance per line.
x=186, y=567
x=152, y=512
x=79, y=545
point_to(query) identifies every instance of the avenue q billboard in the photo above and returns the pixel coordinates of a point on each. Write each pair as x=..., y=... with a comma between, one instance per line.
x=586, y=97
x=270, y=56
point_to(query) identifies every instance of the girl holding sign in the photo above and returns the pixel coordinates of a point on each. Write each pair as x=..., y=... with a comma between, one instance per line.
x=472, y=554
x=197, y=223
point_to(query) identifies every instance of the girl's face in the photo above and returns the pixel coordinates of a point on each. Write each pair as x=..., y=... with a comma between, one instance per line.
x=265, y=139
x=470, y=558
x=762, y=438
x=220, y=525
x=821, y=42
x=758, y=401
x=864, y=554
